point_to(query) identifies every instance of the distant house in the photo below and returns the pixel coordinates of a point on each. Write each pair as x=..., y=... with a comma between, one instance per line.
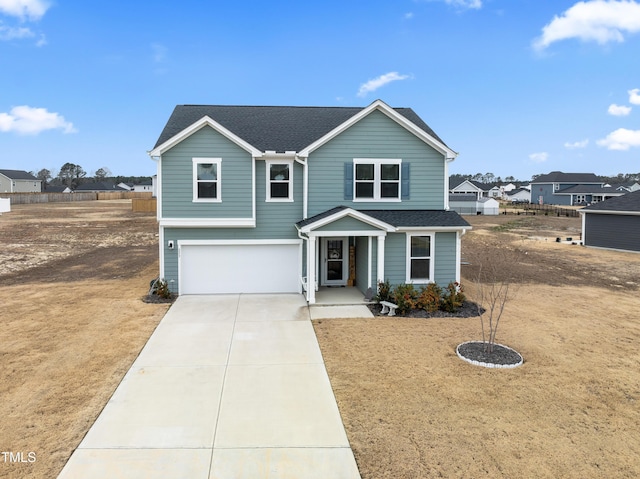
x=613, y=224
x=56, y=189
x=18, y=181
x=99, y=186
x=587, y=194
x=628, y=186
x=467, y=187
x=144, y=187
x=520, y=195
x=553, y=188
x=472, y=205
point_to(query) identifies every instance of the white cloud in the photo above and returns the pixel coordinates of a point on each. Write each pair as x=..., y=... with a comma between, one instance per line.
x=634, y=96
x=602, y=21
x=539, y=157
x=26, y=120
x=408, y=15
x=12, y=33
x=463, y=4
x=159, y=52
x=621, y=139
x=618, y=110
x=382, y=80
x=24, y=9
x=576, y=144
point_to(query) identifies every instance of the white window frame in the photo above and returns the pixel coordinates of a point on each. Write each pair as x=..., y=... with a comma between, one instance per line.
x=377, y=178
x=218, y=180
x=268, y=180
x=431, y=259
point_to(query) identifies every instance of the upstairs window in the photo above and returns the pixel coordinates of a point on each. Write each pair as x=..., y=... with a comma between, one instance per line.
x=279, y=180
x=206, y=179
x=376, y=180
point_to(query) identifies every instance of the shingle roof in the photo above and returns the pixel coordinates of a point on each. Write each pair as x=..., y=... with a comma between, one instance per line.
x=401, y=218
x=627, y=202
x=460, y=197
x=18, y=175
x=273, y=128
x=560, y=177
x=586, y=189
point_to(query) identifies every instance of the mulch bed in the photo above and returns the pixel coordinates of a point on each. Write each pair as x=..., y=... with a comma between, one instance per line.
x=468, y=309
x=500, y=356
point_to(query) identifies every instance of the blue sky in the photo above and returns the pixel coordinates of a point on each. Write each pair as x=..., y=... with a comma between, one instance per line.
x=517, y=87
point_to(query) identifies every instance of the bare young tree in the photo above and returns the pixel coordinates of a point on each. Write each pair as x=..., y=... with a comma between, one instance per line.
x=494, y=288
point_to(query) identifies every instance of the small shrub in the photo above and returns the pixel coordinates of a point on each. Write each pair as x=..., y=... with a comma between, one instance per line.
x=160, y=288
x=405, y=296
x=384, y=291
x=429, y=298
x=453, y=297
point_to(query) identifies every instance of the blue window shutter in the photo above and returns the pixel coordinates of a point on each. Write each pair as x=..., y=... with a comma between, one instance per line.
x=404, y=187
x=348, y=181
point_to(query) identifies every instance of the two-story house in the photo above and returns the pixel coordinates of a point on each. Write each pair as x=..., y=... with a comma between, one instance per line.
x=289, y=199
x=558, y=188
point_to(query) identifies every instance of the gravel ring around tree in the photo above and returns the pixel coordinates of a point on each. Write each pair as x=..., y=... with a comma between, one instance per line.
x=502, y=356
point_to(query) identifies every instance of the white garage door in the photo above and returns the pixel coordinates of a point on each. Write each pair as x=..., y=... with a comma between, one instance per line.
x=245, y=268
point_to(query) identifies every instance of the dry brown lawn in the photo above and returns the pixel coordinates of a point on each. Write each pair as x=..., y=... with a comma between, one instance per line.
x=413, y=409
x=72, y=321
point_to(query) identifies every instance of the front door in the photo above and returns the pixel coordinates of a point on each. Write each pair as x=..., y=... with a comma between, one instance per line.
x=334, y=261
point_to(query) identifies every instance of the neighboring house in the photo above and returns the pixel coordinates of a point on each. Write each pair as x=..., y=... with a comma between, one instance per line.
x=18, y=181
x=99, y=187
x=471, y=205
x=628, y=187
x=466, y=187
x=146, y=187
x=587, y=194
x=56, y=189
x=520, y=195
x=289, y=199
x=125, y=186
x=613, y=224
x=548, y=189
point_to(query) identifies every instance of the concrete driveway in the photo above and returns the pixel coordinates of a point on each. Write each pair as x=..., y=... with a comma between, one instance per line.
x=228, y=386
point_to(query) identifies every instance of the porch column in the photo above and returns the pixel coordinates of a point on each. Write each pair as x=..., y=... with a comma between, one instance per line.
x=380, y=260
x=311, y=270
x=369, y=261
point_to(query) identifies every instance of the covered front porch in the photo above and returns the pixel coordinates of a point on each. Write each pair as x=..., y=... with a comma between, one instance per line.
x=344, y=258
x=336, y=296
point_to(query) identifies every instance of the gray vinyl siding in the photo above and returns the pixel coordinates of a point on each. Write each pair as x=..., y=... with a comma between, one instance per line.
x=445, y=265
x=362, y=264
x=376, y=136
x=614, y=231
x=177, y=178
x=395, y=259
x=347, y=223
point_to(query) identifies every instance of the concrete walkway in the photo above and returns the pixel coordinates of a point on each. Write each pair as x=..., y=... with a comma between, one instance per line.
x=229, y=386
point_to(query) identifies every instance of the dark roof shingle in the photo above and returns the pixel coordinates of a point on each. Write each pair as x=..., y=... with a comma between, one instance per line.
x=273, y=128
x=18, y=175
x=401, y=218
x=628, y=202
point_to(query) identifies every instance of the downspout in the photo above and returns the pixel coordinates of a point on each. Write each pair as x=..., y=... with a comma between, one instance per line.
x=446, y=181
x=159, y=214
x=305, y=185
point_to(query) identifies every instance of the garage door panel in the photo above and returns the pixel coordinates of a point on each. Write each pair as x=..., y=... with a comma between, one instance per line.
x=211, y=269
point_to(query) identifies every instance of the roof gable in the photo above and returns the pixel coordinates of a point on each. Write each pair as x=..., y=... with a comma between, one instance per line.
x=18, y=175
x=560, y=177
x=281, y=128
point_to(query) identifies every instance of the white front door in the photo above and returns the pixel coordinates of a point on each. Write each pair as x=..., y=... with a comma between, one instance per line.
x=335, y=261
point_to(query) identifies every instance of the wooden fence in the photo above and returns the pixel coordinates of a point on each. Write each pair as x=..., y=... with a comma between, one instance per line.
x=547, y=210
x=143, y=205
x=33, y=198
